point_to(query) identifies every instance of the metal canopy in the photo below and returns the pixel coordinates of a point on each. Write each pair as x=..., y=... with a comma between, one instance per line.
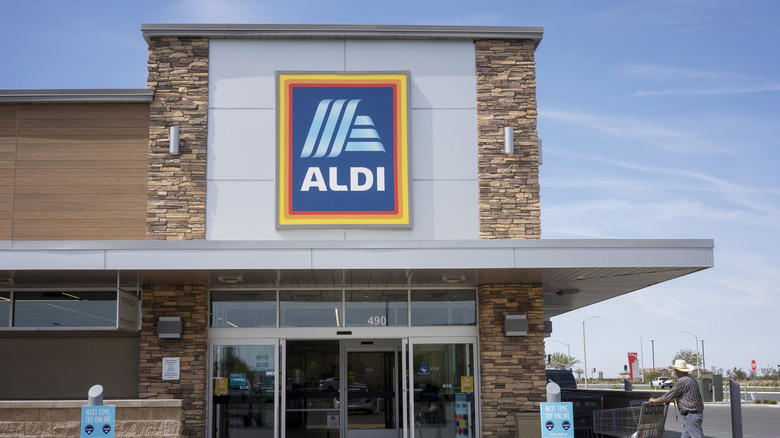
x=574, y=273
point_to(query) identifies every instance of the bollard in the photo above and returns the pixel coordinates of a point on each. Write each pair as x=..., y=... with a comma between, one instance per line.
x=553, y=393
x=736, y=410
x=96, y=395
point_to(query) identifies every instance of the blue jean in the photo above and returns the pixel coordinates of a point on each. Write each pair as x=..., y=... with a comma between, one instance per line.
x=692, y=427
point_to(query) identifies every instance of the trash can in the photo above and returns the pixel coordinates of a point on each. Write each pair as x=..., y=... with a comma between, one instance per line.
x=705, y=387
x=528, y=424
x=717, y=384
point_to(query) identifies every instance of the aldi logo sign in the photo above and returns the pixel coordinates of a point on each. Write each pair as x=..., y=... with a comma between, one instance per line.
x=343, y=150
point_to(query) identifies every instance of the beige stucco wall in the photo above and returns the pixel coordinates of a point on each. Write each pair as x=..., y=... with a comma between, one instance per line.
x=134, y=418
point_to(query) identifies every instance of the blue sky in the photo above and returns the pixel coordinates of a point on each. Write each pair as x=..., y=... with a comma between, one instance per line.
x=659, y=120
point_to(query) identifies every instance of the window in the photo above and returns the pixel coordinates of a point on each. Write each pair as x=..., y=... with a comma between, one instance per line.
x=310, y=308
x=343, y=308
x=65, y=309
x=372, y=308
x=444, y=307
x=5, y=309
x=243, y=309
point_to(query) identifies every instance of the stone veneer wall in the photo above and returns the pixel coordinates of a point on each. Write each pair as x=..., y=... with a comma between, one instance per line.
x=191, y=304
x=134, y=418
x=506, y=96
x=512, y=368
x=176, y=201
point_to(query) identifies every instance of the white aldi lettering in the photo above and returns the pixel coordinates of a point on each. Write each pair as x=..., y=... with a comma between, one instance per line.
x=361, y=179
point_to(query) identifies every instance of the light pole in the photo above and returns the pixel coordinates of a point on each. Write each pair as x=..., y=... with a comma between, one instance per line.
x=568, y=351
x=584, y=350
x=652, y=346
x=698, y=370
x=642, y=352
x=703, y=363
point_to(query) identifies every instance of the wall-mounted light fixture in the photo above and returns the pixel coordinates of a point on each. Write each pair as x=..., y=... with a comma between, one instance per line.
x=567, y=291
x=547, y=328
x=453, y=278
x=169, y=327
x=515, y=325
x=539, y=144
x=509, y=140
x=174, y=139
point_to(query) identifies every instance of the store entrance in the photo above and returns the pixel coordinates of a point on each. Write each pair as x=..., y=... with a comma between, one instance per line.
x=343, y=389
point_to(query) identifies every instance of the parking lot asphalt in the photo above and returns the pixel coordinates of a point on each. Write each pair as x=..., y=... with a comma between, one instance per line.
x=758, y=421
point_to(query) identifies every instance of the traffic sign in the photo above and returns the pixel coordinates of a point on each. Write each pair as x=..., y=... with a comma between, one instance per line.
x=753, y=365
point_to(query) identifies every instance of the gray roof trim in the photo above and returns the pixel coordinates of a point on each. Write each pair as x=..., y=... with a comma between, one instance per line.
x=127, y=95
x=410, y=254
x=574, y=273
x=342, y=31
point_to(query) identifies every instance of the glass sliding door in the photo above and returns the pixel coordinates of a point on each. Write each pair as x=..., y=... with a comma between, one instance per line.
x=243, y=399
x=373, y=392
x=312, y=391
x=343, y=389
x=443, y=392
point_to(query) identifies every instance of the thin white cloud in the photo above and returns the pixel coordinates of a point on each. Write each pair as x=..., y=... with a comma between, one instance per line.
x=223, y=11
x=652, y=135
x=666, y=73
x=693, y=82
x=747, y=89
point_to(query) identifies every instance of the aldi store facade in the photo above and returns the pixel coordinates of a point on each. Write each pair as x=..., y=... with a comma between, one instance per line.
x=294, y=231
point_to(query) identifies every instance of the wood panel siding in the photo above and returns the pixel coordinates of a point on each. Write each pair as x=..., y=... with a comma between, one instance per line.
x=73, y=171
x=8, y=118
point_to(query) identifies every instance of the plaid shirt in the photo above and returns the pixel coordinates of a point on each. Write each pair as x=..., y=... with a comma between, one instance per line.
x=686, y=391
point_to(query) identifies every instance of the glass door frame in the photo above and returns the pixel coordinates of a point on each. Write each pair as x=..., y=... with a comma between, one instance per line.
x=399, y=345
x=377, y=345
x=265, y=342
x=279, y=336
x=412, y=341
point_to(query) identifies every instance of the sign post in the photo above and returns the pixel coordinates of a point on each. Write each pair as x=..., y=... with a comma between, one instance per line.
x=753, y=367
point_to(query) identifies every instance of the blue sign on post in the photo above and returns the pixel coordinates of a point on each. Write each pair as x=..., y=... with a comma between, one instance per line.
x=557, y=420
x=98, y=421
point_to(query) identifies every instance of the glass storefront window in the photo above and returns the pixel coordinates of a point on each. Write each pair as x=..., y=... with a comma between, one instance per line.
x=343, y=308
x=243, y=385
x=444, y=307
x=310, y=308
x=243, y=309
x=443, y=390
x=65, y=309
x=377, y=308
x=5, y=309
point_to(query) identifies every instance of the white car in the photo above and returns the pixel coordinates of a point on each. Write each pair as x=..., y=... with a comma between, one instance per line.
x=662, y=382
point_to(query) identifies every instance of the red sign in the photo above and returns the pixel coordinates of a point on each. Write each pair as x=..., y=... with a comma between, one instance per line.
x=753, y=365
x=633, y=366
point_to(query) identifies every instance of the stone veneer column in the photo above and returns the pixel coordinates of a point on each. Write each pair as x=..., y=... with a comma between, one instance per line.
x=176, y=194
x=189, y=303
x=512, y=368
x=506, y=96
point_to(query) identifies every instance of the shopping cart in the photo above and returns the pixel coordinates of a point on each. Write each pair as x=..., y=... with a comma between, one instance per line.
x=646, y=421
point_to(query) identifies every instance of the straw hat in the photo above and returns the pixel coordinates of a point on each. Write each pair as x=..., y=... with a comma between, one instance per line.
x=682, y=365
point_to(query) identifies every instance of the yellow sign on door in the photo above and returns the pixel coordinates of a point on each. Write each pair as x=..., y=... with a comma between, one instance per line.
x=466, y=384
x=220, y=386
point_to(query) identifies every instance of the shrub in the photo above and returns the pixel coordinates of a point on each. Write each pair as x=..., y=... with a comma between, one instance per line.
x=766, y=401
